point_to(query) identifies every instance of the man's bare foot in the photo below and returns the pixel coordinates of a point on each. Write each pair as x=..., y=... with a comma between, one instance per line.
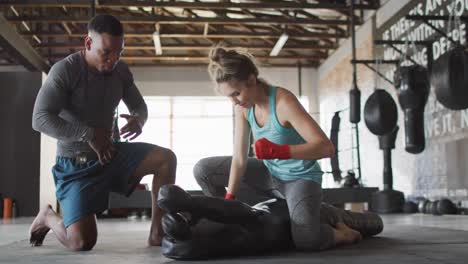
x=347, y=235
x=155, y=241
x=38, y=229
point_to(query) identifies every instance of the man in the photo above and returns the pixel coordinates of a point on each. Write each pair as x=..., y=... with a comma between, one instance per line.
x=76, y=105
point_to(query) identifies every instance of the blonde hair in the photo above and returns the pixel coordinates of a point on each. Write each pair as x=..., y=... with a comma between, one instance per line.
x=231, y=64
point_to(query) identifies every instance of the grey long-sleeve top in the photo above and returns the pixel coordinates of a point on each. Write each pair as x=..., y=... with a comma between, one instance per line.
x=75, y=99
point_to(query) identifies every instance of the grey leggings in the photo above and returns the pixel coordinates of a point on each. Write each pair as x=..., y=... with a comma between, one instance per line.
x=303, y=197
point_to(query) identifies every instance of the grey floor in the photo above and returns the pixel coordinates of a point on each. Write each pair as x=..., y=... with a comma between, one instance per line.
x=406, y=239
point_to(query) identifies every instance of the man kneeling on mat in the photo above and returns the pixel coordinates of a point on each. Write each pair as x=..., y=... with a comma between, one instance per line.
x=76, y=105
x=201, y=227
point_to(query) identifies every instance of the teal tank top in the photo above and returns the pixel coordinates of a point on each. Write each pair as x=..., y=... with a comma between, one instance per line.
x=290, y=169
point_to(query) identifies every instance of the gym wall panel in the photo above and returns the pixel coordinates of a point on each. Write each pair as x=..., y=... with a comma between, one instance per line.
x=19, y=154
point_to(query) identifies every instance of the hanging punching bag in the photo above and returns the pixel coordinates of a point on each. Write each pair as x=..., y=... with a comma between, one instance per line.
x=380, y=113
x=334, y=161
x=449, y=78
x=412, y=84
x=354, y=105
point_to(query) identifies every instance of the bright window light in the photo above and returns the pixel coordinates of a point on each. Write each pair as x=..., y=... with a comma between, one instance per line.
x=192, y=127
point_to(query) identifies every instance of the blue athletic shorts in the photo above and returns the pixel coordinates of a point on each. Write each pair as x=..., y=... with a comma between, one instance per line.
x=83, y=189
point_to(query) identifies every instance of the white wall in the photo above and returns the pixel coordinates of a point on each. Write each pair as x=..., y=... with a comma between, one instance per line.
x=173, y=81
x=195, y=81
x=46, y=182
x=47, y=185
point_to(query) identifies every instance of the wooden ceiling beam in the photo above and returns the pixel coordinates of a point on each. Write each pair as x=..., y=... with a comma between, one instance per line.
x=201, y=58
x=184, y=4
x=336, y=28
x=309, y=64
x=303, y=47
x=151, y=19
x=149, y=34
x=19, y=49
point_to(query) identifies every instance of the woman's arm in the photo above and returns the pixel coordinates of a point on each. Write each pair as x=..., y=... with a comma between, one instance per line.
x=241, y=148
x=291, y=113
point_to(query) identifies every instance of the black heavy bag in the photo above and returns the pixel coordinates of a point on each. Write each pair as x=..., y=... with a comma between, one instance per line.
x=380, y=113
x=334, y=161
x=412, y=84
x=449, y=78
x=201, y=227
x=354, y=105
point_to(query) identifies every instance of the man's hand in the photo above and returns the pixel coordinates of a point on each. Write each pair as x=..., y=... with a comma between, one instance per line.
x=133, y=128
x=102, y=145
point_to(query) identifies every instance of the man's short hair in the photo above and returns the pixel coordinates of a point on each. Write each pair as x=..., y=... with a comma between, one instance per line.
x=104, y=23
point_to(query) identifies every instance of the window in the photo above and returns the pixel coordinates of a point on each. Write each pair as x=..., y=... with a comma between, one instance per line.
x=193, y=127
x=304, y=100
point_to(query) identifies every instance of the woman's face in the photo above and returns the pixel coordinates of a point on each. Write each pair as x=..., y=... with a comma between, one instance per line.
x=239, y=92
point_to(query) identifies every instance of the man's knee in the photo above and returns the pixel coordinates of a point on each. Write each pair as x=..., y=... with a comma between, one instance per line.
x=83, y=244
x=162, y=158
x=171, y=158
x=82, y=235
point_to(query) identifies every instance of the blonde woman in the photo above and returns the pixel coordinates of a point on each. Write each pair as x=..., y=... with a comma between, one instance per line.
x=286, y=139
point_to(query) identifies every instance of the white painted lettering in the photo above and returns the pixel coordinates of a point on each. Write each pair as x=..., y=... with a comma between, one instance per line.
x=464, y=118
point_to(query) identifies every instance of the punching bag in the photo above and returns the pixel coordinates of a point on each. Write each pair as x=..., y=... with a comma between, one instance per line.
x=380, y=113
x=412, y=84
x=449, y=78
x=355, y=105
x=334, y=161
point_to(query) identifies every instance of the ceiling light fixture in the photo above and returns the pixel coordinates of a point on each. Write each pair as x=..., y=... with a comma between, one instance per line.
x=157, y=43
x=279, y=44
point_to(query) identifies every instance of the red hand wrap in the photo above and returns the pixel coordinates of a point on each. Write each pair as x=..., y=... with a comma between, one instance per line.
x=229, y=196
x=265, y=149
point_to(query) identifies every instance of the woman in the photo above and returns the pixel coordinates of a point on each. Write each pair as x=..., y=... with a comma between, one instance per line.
x=288, y=141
